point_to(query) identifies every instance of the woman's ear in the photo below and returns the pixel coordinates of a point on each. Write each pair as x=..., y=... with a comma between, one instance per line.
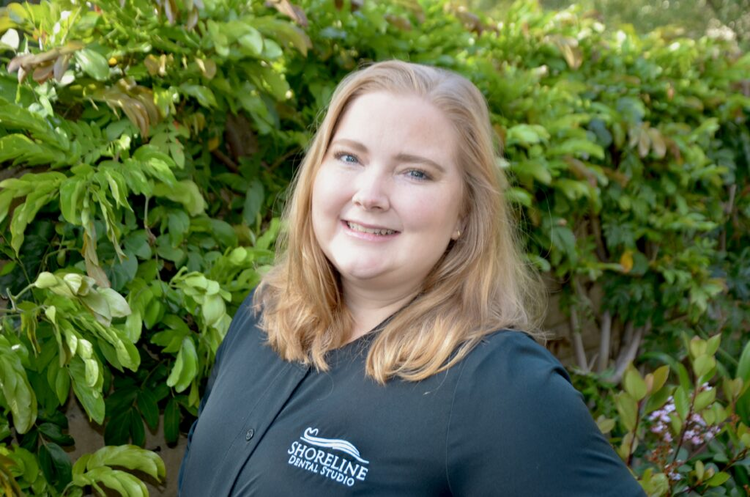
x=459, y=230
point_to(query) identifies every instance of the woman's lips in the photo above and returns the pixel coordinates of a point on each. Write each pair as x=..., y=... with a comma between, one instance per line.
x=368, y=232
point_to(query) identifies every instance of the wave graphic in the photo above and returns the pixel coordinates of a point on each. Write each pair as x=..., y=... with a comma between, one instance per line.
x=332, y=443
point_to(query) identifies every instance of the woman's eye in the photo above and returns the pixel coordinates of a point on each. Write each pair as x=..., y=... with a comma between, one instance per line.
x=345, y=157
x=418, y=174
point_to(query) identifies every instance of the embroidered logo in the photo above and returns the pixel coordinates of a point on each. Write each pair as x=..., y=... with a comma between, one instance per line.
x=342, y=462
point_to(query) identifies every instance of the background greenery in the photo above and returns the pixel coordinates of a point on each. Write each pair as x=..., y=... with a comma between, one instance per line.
x=145, y=146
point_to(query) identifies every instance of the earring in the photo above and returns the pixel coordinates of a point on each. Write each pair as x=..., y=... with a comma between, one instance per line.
x=458, y=235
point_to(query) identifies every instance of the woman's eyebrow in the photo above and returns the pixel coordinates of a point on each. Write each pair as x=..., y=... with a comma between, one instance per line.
x=352, y=143
x=418, y=159
x=403, y=157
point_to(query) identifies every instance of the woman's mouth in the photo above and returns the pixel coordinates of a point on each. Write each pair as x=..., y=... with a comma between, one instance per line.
x=369, y=230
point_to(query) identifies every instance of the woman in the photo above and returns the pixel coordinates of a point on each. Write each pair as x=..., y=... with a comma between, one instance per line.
x=376, y=358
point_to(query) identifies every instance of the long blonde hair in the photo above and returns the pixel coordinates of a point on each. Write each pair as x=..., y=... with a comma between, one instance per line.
x=480, y=285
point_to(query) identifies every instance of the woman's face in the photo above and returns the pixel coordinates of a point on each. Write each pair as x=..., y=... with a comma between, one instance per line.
x=386, y=199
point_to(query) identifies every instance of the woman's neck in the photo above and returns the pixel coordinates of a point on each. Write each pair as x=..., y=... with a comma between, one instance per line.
x=370, y=308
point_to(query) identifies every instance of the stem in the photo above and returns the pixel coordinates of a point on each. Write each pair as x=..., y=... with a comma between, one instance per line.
x=601, y=251
x=630, y=351
x=635, y=432
x=727, y=466
x=604, y=343
x=283, y=158
x=687, y=420
x=16, y=297
x=577, y=340
x=225, y=160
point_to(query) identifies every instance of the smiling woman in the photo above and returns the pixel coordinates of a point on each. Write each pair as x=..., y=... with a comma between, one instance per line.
x=389, y=352
x=386, y=200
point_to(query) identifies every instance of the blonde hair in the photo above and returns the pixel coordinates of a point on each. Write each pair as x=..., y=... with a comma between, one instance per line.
x=480, y=285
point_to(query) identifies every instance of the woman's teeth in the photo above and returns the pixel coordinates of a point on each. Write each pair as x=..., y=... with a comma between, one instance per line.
x=362, y=229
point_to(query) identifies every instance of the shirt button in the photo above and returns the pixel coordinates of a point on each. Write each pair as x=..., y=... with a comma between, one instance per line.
x=249, y=435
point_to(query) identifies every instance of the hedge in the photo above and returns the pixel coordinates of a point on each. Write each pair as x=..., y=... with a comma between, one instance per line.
x=145, y=147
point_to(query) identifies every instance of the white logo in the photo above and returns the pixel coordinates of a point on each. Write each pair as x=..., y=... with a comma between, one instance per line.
x=336, y=467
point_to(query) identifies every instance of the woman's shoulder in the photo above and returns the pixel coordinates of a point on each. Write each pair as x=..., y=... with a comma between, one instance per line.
x=518, y=420
x=510, y=355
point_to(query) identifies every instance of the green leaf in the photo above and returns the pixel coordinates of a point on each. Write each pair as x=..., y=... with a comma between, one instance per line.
x=25, y=214
x=130, y=457
x=203, y=94
x=117, y=431
x=17, y=390
x=267, y=238
x=172, y=421
x=743, y=373
x=127, y=354
x=54, y=433
x=149, y=409
x=703, y=365
x=98, y=305
x=627, y=407
x=224, y=233
x=674, y=365
x=660, y=378
x=154, y=312
x=186, y=193
x=526, y=134
x=717, y=479
x=519, y=196
x=55, y=465
x=577, y=147
x=564, y=240
x=573, y=189
x=743, y=366
x=137, y=431
x=21, y=149
x=532, y=169
x=704, y=398
x=185, y=366
x=137, y=242
x=93, y=63
x=213, y=309
x=46, y=280
x=634, y=384
x=125, y=484
x=118, y=306
x=6, y=198
x=27, y=462
x=178, y=154
x=252, y=40
x=90, y=397
x=657, y=399
x=179, y=225
x=682, y=402
x=253, y=202
x=712, y=344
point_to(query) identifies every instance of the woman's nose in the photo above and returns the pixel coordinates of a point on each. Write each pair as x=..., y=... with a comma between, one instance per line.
x=372, y=191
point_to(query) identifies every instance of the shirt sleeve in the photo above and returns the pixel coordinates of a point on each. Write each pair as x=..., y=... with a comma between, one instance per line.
x=244, y=313
x=518, y=427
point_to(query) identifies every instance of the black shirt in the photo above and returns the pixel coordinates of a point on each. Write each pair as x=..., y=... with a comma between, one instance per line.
x=505, y=421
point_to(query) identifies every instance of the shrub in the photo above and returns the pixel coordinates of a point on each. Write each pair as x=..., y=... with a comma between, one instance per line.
x=144, y=151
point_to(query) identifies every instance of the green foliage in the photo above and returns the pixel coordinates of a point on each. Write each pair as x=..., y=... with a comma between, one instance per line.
x=691, y=437
x=144, y=157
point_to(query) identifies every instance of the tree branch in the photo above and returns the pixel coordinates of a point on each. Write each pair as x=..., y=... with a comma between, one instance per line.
x=596, y=226
x=604, y=342
x=630, y=349
x=577, y=340
x=225, y=160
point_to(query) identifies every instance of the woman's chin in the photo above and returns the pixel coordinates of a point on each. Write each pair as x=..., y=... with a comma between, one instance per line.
x=362, y=272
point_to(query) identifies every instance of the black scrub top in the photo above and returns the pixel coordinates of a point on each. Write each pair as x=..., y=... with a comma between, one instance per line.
x=505, y=421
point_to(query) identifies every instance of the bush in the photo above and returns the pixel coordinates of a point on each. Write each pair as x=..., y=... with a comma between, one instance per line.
x=144, y=159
